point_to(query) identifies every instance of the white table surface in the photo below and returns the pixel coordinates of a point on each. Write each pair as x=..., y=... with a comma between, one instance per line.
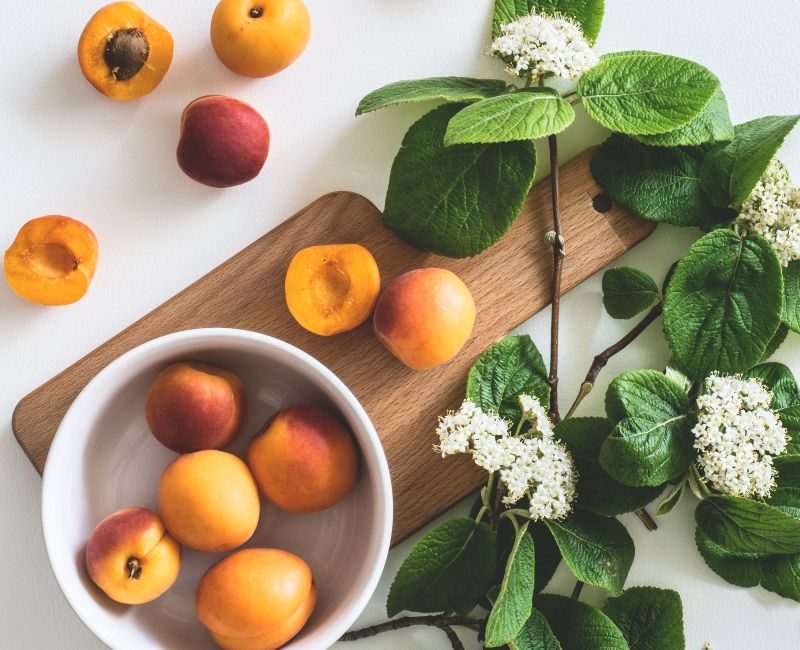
x=68, y=150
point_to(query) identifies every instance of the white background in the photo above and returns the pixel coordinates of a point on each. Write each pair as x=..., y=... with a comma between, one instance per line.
x=66, y=149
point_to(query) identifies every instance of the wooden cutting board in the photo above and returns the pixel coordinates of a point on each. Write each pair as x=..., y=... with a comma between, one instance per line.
x=510, y=283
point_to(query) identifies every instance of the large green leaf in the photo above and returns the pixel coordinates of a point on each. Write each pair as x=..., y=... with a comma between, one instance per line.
x=579, y=626
x=724, y=303
x=514, y=601
x=448, y=570
x=628, y=291
x=455, y=201
x=525, y=115
x=598, y=550
x=505, y=370
x=788, y=469
x=646, y=394
x=744, y=526
x=712, y=125
x=730, y=171
x=649, y=618
x=448, y=89
x=658, y=183
x=535, y=635
x=646, y=93
x=791, y=293
x=587, y=13
x=548, y=555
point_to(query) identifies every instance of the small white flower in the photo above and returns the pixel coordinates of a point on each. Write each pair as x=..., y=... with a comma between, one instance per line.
x=773, y=211
x=737, y=435
x=537, y=45
x=533, y=412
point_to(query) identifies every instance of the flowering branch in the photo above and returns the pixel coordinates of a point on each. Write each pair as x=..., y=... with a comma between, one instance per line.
x=558, y=264
x=444, y=622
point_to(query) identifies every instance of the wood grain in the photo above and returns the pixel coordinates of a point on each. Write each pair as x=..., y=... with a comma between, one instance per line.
x=510, y=283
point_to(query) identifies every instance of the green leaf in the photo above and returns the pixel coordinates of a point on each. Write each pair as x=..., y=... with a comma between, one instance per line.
x=525, y=115
x=657, y=183
x=584, y=436
x=788, y=469
x=791, y=293
x=514, y=602
x=535, y=635
x=649, y=618
x=713, y=124
x=455, y=201
x=730, y=171
x=646, y=93
x=579, y=626
x=646, y=394
x=548, y=555
x=673, y=498
x=505, y=370
x=587, y=13
x=448, y=570
x=628, y=291
x=786, y=499
x=448, y=89
x=598, y=550
x=776, y=341
x=674, y=372
x=745, y=526
x=723, y=304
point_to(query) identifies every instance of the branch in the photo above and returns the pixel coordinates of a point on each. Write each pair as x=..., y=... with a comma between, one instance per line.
x=441, y=621
x=453, y=638
x=646, y=519
x=558, y=264
x=576, y=591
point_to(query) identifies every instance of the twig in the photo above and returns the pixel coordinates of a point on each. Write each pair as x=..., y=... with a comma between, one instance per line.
x=576, y=591
x=646, y=519
x=453, y=638
x=442, y=621
x=558, y=264
x=603, y=358
x=499, y=490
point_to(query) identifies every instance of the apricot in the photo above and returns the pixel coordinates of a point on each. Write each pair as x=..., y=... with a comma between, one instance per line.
x=209, y=501
x=123, y=52
x=256, y=599
x=425, y=317
x=131, y=557
x=257, y=38
x=224, y=141
x=52, y=261
x=193, y=406
x=332, y=289
x=304, y=460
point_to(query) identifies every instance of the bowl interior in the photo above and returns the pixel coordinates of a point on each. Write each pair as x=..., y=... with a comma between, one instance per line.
x=104, y=459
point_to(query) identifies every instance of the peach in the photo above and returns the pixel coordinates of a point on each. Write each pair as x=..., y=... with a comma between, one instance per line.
x=193, y=406
x=131, y=557
x=224, y=141
x=209, y=501
x=304, y=460
x=256, y=599
x=425, y=317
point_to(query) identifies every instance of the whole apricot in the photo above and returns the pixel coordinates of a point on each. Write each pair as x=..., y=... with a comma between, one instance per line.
x=425, y=317
x=52, y=261
x=209, y=501
x=131, y=557
x=304, y=460
x=194, y=406
x=332, y=289
x=123, y=52
x=257, y=38
x=224, y=141
x=256, y=599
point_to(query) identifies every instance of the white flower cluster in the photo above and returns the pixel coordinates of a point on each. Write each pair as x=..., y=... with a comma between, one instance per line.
x=736, y=436
x=537, y=45
x=773, y=210
x=536, y=464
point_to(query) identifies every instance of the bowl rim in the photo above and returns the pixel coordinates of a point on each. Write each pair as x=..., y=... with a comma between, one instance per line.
x=374, y=451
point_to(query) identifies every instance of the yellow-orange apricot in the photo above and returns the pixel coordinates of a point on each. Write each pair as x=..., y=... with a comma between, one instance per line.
x=304, y=460
x=256, y=599
x=123, y=52
x=332, y=289
x=425, y=317
x=52, y=261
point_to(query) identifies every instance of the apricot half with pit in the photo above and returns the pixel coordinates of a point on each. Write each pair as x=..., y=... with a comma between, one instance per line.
x=123, y=52
x=52, y=261
x=332, y=289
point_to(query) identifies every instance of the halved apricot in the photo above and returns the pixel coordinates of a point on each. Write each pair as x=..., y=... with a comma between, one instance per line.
x=123, y=52
x=332, y=289
x=52, y=260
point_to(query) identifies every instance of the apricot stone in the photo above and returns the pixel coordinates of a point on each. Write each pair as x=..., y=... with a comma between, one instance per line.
x=193, y=406
x=304, y=460
x=425, y=317
x=209, y=501
x=224, y=141
x=131, y=557
x=256, y=599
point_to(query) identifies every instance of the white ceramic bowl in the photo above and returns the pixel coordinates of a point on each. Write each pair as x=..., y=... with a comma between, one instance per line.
x=103, y=459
